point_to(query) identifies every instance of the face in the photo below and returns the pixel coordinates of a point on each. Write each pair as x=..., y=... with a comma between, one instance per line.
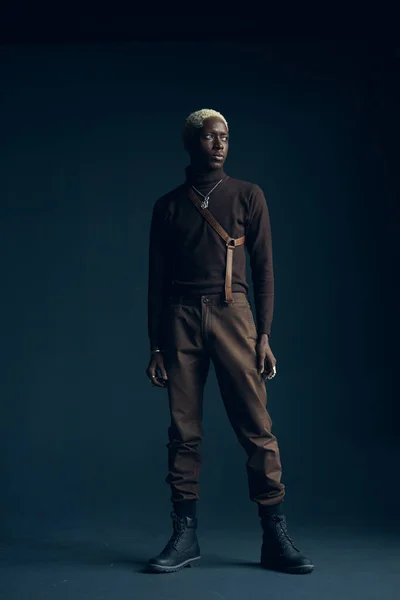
x=209, y=149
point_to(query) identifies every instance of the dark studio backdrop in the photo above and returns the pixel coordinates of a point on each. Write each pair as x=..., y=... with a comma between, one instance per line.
x=90, y=138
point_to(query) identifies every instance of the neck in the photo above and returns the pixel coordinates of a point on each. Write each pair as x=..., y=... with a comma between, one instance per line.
x=199, y=175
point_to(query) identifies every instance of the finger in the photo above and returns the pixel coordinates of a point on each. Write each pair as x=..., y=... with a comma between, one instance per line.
x=151, y=373
x=269, y=369
x=156, y=383
x=158, y=373
x=270, y=363
x=163, y=381
x=265, y=367
x=260, y=363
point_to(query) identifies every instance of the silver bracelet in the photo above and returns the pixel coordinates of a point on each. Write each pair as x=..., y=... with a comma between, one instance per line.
x=153, y=351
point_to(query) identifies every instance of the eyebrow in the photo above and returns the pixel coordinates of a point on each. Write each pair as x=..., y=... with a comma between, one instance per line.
x=215, y=131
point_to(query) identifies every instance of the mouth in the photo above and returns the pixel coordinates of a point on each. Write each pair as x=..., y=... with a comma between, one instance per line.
x=218, y=157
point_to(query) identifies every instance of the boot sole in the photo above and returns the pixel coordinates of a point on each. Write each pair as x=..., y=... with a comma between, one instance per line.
x=302, y=570
x=190, y=562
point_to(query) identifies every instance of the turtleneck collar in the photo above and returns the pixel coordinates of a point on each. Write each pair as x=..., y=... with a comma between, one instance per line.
x=198, y=178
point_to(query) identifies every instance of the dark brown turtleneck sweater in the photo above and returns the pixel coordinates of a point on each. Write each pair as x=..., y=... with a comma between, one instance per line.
x=186, y=255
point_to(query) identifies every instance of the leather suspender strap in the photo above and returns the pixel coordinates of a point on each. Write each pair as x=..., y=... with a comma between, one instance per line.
x=230, y=242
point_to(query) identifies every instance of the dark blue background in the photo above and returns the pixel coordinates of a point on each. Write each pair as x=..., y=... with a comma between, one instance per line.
x=90, y=138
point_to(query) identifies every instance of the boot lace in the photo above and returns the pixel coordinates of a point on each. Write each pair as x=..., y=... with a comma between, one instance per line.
x=179, y=525
x=282, y=533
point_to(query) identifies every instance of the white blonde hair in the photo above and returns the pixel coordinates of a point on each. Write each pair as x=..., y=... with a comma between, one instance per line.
x=196, y=119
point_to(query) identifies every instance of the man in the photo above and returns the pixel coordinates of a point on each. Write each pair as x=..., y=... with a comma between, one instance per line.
x=198, y=310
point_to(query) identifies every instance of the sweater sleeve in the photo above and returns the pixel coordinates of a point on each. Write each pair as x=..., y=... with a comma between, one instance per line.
x=159, y=274
x=259, y=245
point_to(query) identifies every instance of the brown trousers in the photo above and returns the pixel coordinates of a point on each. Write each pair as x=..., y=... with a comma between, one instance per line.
x=197, y=330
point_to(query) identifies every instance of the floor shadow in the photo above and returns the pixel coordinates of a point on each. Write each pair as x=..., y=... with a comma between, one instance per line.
x=24, y=552
x=218, y=562
x=117, y=554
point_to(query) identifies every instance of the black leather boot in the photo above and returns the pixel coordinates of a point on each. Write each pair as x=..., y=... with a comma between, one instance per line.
x=278, y=551
x=182, y=549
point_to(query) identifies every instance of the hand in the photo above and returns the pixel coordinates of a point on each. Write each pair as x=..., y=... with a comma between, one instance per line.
x=266, y=361
x=156, y=371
